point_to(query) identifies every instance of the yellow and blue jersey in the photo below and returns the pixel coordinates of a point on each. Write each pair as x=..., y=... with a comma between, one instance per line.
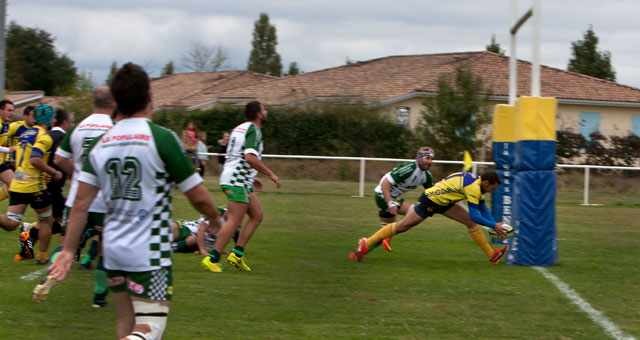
x=4, y=131
x=462, y=186
x=456, y=187
x=16, y=129
x=34, y=142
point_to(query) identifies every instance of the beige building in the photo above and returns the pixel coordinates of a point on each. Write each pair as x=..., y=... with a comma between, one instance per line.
x=398, y=85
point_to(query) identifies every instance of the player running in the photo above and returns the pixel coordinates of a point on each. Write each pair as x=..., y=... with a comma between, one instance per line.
x=402, y=179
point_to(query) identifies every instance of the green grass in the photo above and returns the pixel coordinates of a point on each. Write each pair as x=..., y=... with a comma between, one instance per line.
x=436, y=284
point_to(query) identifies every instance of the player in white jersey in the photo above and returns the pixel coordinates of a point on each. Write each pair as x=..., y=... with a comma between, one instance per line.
x=238, y=181
x=190, y=236
x=135, y=166
x=69, y=157
x=403, y=178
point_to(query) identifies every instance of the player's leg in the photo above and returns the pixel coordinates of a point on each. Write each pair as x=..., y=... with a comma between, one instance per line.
x=44, y=233
x=150, y=293
x=15, y=211
x=255, y=218
x=237, y=206
x=460, y=214
x=6, y=176
x=125, y=316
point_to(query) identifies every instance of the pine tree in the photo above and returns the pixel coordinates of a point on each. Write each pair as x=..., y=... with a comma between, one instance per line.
x=588, y=60
x=167, y=70
x=494, y=46
x=112, y=71
x=263, y=57
x=293, y=69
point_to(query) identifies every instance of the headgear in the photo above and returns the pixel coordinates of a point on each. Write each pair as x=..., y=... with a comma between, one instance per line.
x=43, y=114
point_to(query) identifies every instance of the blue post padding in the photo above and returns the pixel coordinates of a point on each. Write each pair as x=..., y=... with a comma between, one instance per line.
x=534, y=242
x=502, y=197
x=533, y=155
x=503, y=154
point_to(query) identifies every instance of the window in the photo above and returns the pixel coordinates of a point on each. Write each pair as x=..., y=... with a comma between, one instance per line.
x=635, y=125
x=402, y=115
x=589, y=122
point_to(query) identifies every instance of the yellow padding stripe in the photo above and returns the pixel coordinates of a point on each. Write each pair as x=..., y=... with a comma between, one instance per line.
x=535, y=118
x=504, y=123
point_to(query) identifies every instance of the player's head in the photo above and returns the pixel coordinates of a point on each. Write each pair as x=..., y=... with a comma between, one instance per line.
x=64, y=119
x=28, y=115
x=44, y=114
x=254, y=110
x=6, y=110
x=425, y=157
x=130, y=89
x=103, y=100
x=489, y=181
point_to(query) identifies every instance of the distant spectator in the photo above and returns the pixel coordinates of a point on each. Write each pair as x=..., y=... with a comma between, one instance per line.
x=222, y=148
x=202, y=148
x=190, y=142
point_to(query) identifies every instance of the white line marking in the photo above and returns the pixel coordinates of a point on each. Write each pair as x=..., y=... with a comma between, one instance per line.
x=593, y=314
x=35, y=275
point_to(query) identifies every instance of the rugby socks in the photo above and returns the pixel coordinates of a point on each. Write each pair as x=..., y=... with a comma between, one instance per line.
x=384, y=232
x=477, y=235
x=180, y=246
x=214, y=255
x=4, y=193
x=101, y=287
x=33, y=233
x=42, y=256
x=239, y=251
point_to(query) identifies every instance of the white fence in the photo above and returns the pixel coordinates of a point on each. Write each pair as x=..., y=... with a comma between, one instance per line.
x=363, y=161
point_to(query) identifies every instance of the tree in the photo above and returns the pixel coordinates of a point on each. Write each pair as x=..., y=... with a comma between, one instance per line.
x=293, y=69
x=112, y=71
x=263, y=57
x=34, y=64
x=454, y=119
x=494, y=46
x=203, y=58
x=167, y=70
x=588, y=60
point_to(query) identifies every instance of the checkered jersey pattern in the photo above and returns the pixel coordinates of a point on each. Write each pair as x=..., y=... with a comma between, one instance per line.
x=161, y=235
x=243, y=174
x=159, y=285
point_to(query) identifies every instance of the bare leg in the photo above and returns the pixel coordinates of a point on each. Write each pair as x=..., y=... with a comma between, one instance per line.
x=255, y=218
x=235, y=213
x=124, y=314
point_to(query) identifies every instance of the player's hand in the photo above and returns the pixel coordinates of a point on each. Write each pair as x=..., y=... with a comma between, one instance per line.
x=275, y=180
x=214, y=225
x=498, y=229
x=392, y=207
x=62, y=265
x=257, y=184
x=57, y=176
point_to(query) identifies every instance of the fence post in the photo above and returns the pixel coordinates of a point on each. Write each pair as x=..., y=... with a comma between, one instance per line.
x=362, y=162
x=586, y=186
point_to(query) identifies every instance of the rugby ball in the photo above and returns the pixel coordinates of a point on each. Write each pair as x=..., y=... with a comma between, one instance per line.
x=507, y=228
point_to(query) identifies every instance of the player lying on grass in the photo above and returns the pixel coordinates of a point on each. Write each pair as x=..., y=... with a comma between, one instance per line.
x=441, y=199
x=196, y=236
x=395, y=183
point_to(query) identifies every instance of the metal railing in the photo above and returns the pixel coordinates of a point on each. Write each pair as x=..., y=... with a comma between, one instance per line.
x=363, y=161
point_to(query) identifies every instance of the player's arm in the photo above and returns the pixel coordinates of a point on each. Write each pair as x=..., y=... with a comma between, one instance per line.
x=202, y=201
x=392, y=205
x=202, y=229
x=66, y=164
x=38, y=162
x=257, y=164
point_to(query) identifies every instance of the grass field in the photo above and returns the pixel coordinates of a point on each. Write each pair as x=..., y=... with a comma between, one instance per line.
x=436, y=284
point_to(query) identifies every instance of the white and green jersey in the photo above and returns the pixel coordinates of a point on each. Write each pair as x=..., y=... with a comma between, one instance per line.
x=193, y=226
x=136, y=164
x=75, y=145
x=244, y=139
x=405, y=177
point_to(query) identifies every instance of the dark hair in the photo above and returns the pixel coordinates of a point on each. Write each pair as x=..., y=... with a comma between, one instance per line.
x=490, y=176
x=28, y=110
x=62, y=115
x=102, y=98
x=130, y=88
x=4, y=102
x=251, y=110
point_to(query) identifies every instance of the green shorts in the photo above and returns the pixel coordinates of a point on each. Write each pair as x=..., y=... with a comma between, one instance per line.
x=236, y=194
x=152, y=285
x=95, y=222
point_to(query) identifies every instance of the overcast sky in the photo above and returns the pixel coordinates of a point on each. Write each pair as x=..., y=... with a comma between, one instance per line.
x=322, y=34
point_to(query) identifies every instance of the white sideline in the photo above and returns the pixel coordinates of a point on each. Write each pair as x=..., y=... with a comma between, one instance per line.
x=593, y=314
x=35, y=275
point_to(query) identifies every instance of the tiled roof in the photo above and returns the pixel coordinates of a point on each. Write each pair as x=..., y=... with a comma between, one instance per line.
x=20, y=98
x=383, y=79
x=185, y=89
